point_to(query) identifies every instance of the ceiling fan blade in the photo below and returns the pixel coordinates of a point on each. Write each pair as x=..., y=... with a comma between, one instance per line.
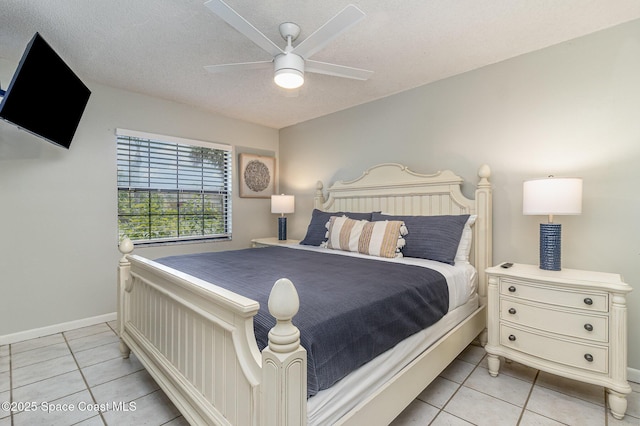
x=335, y=26
x=241, y=66
x=337, y=70
x=232, y=18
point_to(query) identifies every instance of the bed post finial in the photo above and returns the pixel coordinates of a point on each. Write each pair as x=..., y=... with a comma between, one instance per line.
x=484, y=172
x=125, y=247
x=283, y=305
x=483, y=229
x=284, y=362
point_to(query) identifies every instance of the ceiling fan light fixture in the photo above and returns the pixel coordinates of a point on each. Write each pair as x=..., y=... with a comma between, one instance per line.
x=289, y=71
x=289, y=78
x=291, y=63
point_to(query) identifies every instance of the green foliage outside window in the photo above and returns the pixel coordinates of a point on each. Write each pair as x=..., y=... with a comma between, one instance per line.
x=172, y=192
x=144, y=215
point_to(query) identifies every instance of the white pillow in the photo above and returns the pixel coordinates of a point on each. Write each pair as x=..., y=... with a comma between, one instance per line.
x=464, y=247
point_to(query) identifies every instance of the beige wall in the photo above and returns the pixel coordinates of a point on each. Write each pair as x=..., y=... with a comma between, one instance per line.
x=568, y=110
x=58, y=250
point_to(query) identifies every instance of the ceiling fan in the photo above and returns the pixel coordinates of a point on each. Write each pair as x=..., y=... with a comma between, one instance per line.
x=291, y=62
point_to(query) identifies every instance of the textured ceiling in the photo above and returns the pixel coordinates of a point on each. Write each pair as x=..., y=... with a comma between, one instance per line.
x=159, y=47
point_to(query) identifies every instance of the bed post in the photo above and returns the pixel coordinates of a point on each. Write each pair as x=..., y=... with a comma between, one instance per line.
x=318, y=199
x=124, y=267
x=284, y=363
x=484, y=235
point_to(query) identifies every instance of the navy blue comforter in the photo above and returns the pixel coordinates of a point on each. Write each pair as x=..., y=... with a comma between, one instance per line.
x=351, y=309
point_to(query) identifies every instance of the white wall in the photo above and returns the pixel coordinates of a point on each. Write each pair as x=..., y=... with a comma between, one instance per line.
x=58, y=248
x=568, y=110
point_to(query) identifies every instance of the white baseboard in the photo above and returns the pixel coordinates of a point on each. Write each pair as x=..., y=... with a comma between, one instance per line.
x=56, y=328
x=633, y=375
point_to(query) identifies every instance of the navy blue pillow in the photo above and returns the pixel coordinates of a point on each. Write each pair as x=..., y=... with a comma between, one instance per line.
x=430, y=237
x=317, y=231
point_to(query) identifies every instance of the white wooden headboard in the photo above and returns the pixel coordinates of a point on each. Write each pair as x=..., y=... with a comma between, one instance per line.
x=394, y=189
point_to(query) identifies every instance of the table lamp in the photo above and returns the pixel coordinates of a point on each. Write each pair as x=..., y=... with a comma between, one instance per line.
x=282, y=204
x=551, y=196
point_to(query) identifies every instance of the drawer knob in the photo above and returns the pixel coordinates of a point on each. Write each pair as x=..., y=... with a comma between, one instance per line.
x=588, y=301
x=512, y=311
x=588, y=327
x=513, y=339
x=588, y=357
x=512, y=289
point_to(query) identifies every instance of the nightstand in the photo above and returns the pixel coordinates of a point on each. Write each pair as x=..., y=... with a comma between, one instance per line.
x=571, y=323
x=271, y=241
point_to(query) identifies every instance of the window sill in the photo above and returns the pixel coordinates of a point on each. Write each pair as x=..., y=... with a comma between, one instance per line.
x=141, y=244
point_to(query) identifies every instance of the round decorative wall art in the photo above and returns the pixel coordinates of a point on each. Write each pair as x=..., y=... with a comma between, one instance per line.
x=257, y=176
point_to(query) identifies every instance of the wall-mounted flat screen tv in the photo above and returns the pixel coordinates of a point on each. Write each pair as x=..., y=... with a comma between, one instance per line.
x=45, y=97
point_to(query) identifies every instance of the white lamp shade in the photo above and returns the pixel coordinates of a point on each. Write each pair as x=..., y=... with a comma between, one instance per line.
x=552, y=196
x=282, y=204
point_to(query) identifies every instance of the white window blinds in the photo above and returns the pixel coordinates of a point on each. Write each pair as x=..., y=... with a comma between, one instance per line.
x=172, y=189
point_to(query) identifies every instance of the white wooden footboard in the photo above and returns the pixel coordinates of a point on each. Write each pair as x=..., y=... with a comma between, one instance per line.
x=197, y=341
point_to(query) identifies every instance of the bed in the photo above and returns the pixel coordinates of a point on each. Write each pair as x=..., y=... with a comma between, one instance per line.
x=200, y=340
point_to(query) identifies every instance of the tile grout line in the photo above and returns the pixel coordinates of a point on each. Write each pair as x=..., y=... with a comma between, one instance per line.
x=10, y=386
x=534, y=384
x=29, y=365
x=580, y=398
x=84, y=379
x=477, y=365
x=606, y=408
x=114, y=330
x=37, y=347
x=114, y=379
x=39, y=362
x=549, y=389
x=67, y=341
x=526, y=402
x=492, y=396
x=440, y=410
x=150, y=393
x=458, y=389
x=524, y=407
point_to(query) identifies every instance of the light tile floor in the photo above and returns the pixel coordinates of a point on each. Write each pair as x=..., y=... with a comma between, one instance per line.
x=78, y=378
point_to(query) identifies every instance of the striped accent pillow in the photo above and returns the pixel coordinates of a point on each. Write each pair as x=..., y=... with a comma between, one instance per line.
x=344, y=233
x=383, y=238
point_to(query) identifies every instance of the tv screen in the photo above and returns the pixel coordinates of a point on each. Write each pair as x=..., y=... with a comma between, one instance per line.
x=45, y=97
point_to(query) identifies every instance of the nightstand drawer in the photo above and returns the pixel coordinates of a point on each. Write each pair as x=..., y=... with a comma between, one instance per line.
x=573, y=354
x=591, y=301
x=572, y=324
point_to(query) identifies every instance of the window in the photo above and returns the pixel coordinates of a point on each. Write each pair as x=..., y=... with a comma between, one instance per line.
x=172, y=189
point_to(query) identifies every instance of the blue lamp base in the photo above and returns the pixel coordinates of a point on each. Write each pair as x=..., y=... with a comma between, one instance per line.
x=282, y=228
x=550, y=243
